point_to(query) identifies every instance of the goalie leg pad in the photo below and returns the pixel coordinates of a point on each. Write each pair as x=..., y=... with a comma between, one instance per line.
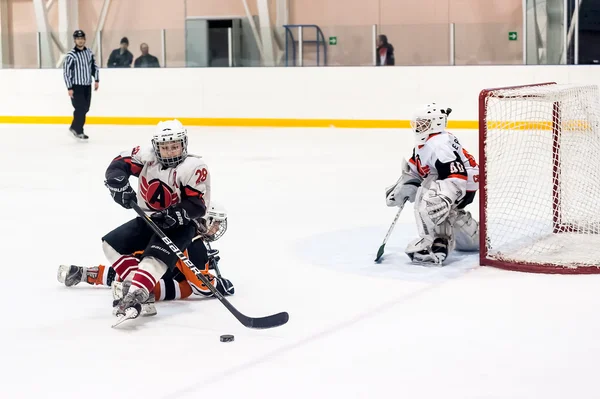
x=431, y=211
x=466, y=232
x=433, y=249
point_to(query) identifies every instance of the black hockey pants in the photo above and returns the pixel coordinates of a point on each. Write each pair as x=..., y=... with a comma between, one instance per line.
x=82, y=98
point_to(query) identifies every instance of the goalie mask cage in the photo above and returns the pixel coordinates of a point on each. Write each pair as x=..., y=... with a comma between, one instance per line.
x=540, y=178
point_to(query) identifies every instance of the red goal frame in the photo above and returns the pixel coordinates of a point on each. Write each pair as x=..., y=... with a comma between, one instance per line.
x=558, y=226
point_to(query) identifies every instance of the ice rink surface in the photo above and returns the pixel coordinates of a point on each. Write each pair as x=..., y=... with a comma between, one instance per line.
x=306, y=216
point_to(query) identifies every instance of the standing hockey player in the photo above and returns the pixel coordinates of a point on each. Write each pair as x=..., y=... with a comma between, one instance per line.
x=181, y=283
x=441, y=178
x=174, y=189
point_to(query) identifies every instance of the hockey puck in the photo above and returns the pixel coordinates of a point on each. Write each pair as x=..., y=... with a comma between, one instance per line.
x=227, y=338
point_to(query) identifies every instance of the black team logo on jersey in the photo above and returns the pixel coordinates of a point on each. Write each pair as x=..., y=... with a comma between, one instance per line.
x=157, y=194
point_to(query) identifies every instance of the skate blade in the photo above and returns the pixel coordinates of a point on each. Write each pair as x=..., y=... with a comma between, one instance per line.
x=130, y=314
x=434, y=261
x=427, y=264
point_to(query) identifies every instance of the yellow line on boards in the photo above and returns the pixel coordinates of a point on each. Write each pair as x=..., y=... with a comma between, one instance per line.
x=234, y=122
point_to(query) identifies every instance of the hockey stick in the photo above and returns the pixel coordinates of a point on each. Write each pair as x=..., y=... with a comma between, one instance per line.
x=271, y=321
x=382, y=247
x=216, y=264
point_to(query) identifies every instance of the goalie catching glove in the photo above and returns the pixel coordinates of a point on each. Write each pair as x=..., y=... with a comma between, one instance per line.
x=405, y=188
x=171, y=217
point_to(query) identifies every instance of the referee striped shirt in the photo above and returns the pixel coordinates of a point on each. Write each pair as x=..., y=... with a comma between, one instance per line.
x=79, y=67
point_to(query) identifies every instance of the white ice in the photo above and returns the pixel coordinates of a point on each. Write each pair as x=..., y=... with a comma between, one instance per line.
x=306, y=216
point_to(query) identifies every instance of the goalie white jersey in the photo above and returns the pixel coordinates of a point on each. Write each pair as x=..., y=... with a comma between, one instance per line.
x=443, y=157
x=160, y=187
x=441, y=178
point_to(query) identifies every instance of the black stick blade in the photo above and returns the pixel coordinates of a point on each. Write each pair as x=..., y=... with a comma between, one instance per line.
x=271, y=321
x=380, y=253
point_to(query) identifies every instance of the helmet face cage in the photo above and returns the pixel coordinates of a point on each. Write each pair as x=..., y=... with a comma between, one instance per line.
x=427, y=121
x=420, y=125
x=170, y=139
x=214, y=224
x=215, y=229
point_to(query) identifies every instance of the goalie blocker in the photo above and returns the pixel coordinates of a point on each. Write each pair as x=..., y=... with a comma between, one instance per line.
x=441, y=178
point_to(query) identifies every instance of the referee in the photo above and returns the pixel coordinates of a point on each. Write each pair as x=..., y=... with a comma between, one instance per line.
x=79, y=68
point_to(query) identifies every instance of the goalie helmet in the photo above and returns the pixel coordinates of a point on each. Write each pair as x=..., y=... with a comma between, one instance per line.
x=428, y=120
x=165, y=143
x=216, y=222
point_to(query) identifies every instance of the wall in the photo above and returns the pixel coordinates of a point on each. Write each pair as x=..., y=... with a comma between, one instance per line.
x=418, y=29
x=140, y=21
x=352, y=97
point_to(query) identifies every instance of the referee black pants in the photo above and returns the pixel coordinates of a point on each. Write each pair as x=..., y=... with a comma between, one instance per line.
x=82, y=97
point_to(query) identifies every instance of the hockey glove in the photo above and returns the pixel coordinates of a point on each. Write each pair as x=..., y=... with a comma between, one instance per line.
x=398, y=194
x=405, y=188
x=224, y=286
x=171, y=217
x=121, y=191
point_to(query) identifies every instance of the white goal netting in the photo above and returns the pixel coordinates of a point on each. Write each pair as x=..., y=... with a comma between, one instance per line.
x=542, y=176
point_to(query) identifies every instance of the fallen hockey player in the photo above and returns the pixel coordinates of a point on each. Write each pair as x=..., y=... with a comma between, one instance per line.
x=180, y=283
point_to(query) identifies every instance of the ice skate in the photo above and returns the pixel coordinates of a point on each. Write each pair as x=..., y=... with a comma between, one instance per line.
x=130, y=307
x=120, y=290
x=71, y=275
x=79, y=136
x=435, y=254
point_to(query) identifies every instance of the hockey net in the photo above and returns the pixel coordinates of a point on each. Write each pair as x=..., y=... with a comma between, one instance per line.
x=540, y=178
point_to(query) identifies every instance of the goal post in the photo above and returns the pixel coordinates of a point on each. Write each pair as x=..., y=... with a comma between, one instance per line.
x=539, y=148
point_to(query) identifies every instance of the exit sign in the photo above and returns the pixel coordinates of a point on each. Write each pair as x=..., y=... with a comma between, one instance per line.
x=512, y=35
x=332, y=40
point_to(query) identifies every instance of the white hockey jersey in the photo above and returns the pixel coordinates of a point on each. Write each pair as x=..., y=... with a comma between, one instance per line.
x=161, y=187
x=442, y=155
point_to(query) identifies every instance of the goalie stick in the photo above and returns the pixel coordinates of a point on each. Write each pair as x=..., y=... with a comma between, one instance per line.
x=382, y=247
x=271, y=321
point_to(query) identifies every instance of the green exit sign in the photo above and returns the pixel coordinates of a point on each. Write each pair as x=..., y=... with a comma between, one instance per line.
x=512, y=35
x=332, y=40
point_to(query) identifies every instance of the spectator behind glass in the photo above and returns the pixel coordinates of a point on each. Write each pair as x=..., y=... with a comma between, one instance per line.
x=121, y=57
x=146, y=60
x=385, y=51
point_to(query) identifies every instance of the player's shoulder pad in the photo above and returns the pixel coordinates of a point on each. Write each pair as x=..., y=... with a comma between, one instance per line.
x=443, y=147
x=194, y=161
x=190, y=165
x=142, y=155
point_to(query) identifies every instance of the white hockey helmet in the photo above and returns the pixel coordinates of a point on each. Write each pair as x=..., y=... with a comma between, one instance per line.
x=428, y=120
x=216, y=222
x=168, y=132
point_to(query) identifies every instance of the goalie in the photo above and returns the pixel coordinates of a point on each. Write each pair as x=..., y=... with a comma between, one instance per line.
x=441, y=178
